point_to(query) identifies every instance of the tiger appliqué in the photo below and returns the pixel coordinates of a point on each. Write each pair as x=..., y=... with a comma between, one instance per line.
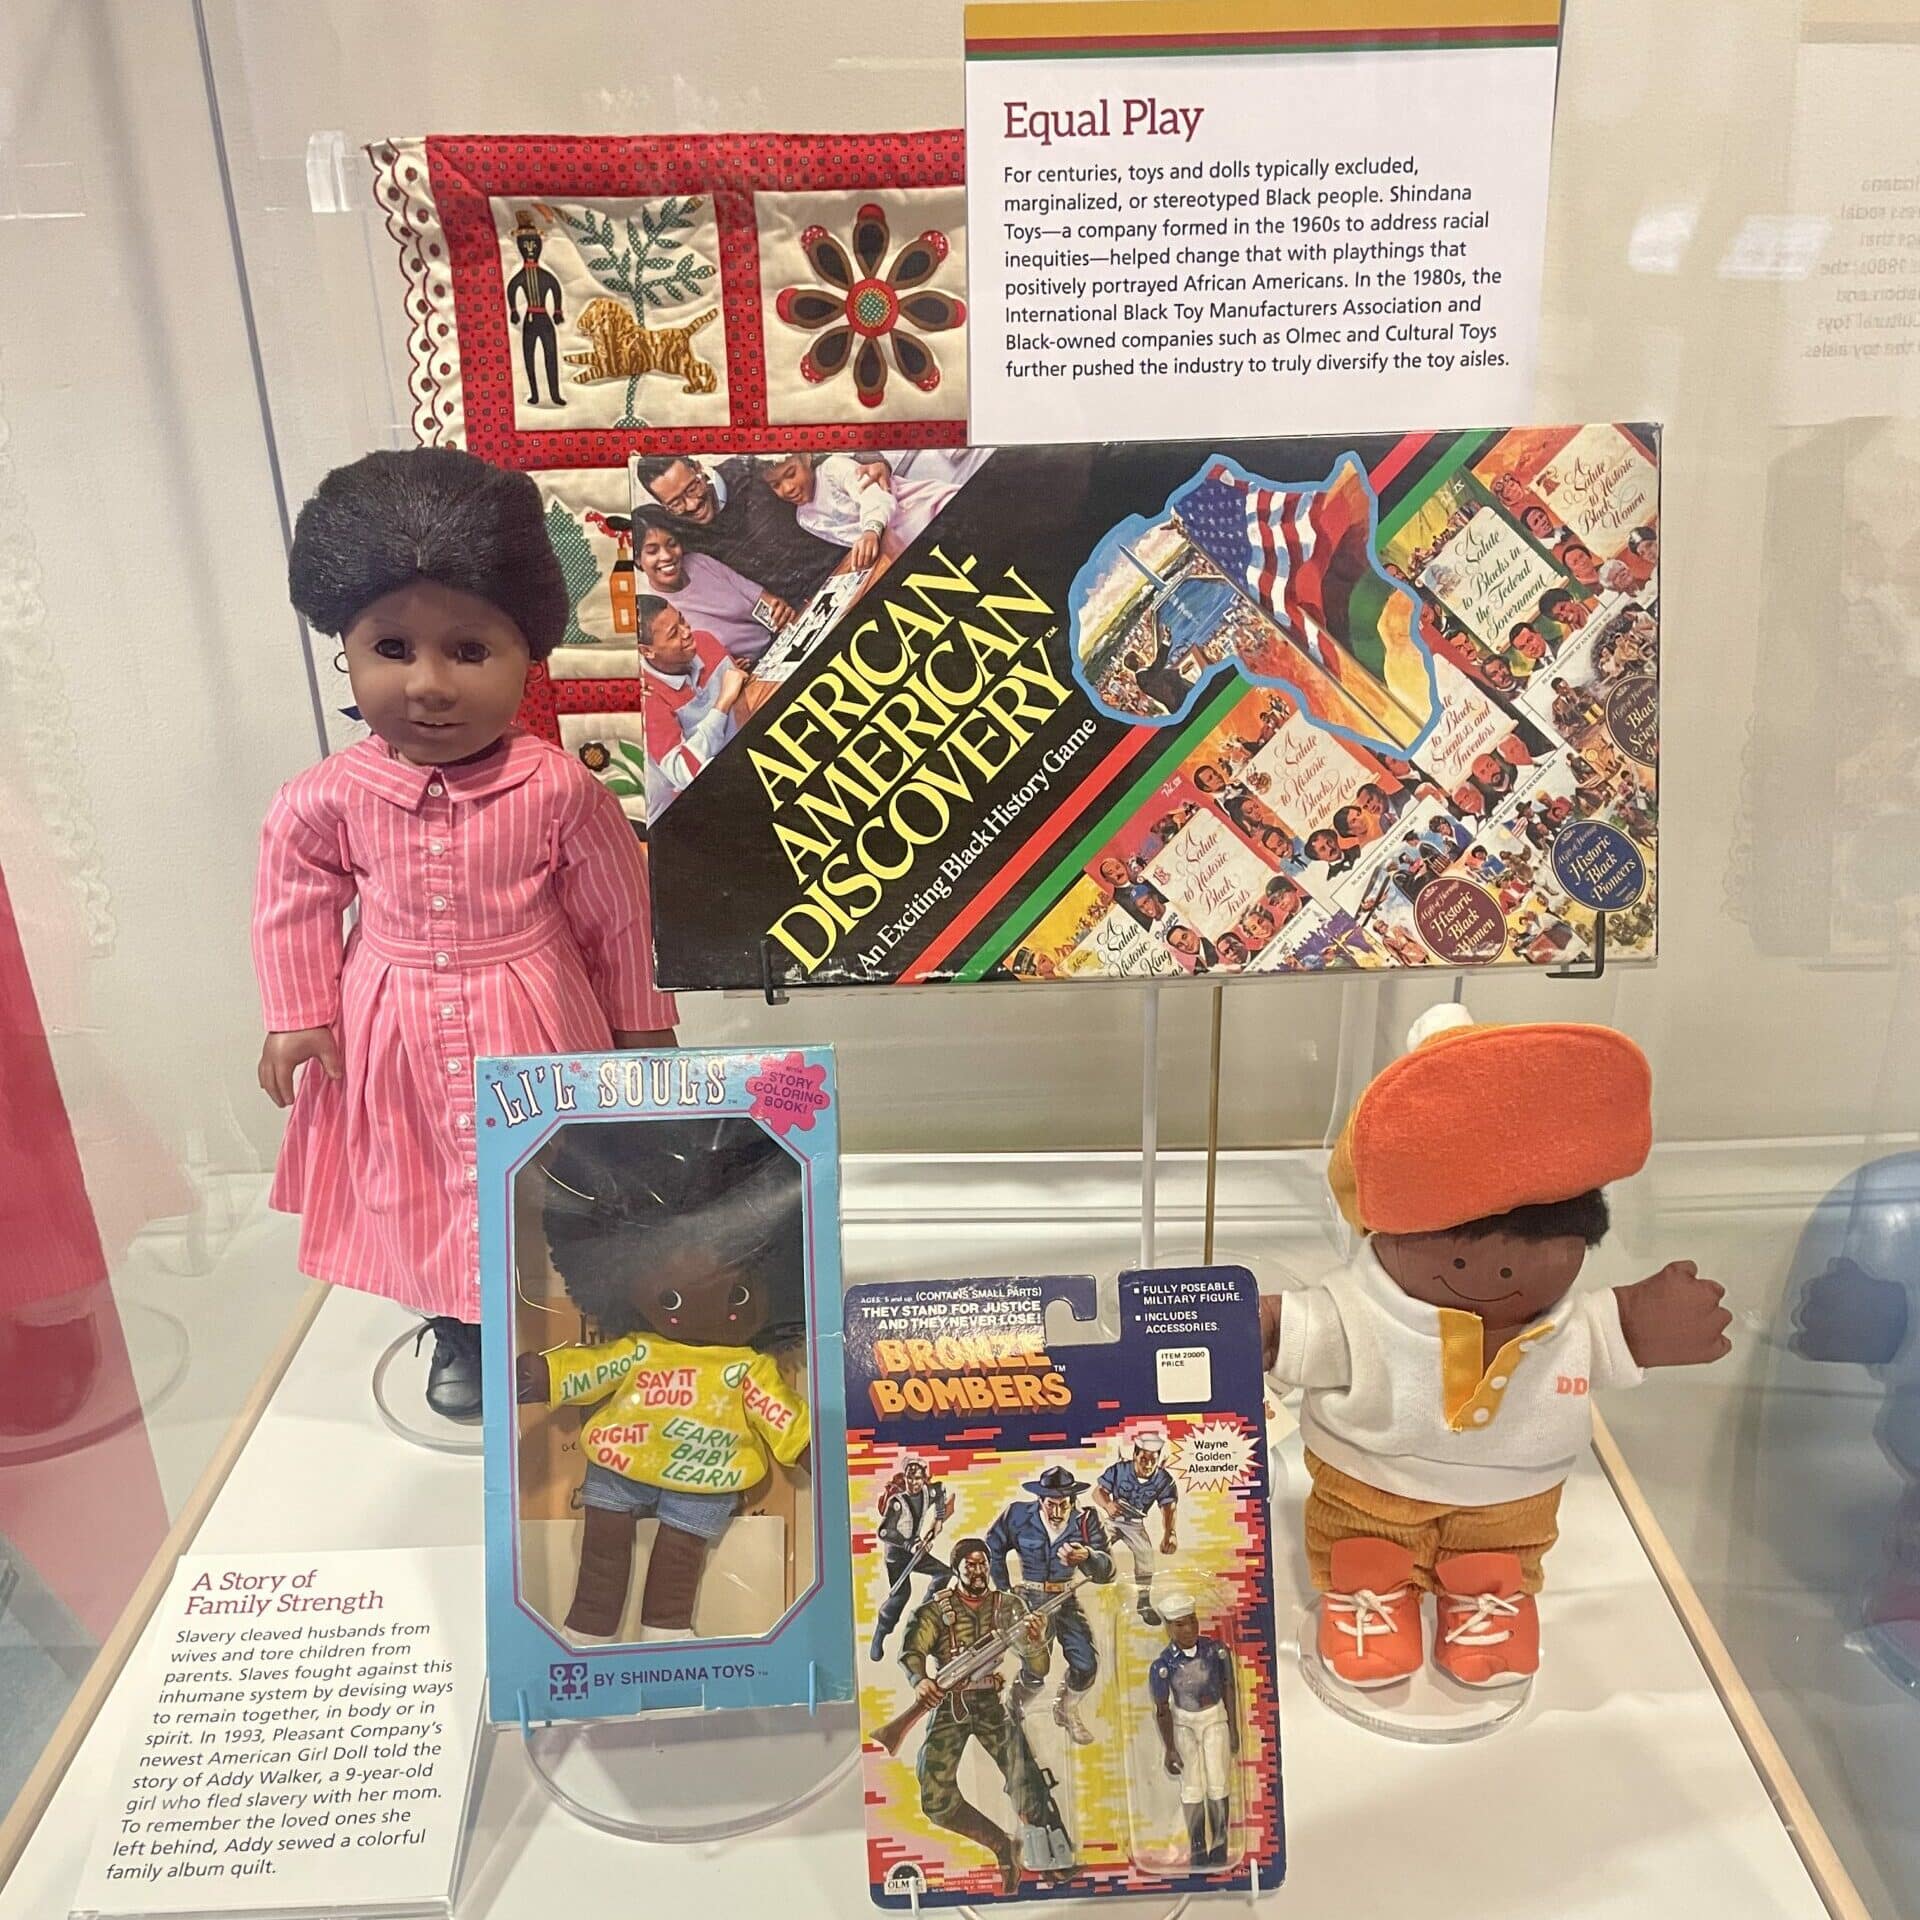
x=623, y=349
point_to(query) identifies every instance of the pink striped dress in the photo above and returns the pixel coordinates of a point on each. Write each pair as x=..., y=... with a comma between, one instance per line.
x=503, y=909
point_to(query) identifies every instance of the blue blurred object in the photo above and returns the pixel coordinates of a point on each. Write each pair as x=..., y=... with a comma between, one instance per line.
x=1855, y=1299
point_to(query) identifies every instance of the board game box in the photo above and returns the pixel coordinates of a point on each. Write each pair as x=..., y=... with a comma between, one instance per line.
x=1164, y=709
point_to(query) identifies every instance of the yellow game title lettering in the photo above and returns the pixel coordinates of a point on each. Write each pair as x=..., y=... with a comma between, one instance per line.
x=899, y=736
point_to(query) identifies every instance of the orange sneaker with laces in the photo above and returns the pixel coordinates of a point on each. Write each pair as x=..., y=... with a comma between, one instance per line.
x=1486, y=1629
x=1370, y=1633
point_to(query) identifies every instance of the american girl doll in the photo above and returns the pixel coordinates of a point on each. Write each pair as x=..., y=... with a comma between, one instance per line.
x=502, y=895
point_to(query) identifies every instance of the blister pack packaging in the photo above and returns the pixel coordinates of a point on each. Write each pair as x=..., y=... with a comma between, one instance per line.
x=1063, y=1602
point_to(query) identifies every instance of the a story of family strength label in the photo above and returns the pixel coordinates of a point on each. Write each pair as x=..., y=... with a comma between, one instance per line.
x=300, y=1735
x=1157, y=243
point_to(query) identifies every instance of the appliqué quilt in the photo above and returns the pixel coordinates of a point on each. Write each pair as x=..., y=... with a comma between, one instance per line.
x=571, y=301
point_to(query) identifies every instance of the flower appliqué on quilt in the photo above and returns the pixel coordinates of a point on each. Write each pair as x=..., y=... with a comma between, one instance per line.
x=857, y=307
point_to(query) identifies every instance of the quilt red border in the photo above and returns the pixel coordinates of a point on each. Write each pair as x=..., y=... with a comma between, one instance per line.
x=466, y=170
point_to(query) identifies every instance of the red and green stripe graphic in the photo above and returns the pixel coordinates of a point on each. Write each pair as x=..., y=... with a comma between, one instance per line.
x=1021, y=920
x=1087, y=29
x=1341, y=589
x=951, y=937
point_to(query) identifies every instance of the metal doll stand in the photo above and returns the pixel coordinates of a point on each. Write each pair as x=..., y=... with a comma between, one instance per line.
x=402, y=1401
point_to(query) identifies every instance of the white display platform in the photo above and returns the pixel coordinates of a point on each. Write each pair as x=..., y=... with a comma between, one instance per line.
x=1623, y=1790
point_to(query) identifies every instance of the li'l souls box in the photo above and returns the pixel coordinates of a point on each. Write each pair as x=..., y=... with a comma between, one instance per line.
x=660, y=1292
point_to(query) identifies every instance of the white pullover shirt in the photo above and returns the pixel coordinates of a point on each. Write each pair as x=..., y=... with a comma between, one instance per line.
x=1396, y=1395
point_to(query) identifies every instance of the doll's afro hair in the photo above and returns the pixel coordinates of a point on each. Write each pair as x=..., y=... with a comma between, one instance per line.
x=1584, y=1217
x=619, y=1195
x=429, y=513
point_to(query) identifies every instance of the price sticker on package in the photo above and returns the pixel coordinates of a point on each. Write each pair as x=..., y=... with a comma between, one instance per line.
x=1184, y=1376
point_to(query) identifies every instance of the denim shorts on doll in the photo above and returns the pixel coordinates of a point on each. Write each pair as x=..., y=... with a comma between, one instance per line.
x=704, y=1514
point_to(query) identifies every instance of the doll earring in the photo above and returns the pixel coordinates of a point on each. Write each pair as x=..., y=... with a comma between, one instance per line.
x=340, y=661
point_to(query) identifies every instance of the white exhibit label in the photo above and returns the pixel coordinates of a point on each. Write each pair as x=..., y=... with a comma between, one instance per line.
x=301, y=1738
x=1254, y=216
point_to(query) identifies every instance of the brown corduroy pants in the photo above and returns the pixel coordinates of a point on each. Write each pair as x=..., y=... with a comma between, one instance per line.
x=1343, y=1508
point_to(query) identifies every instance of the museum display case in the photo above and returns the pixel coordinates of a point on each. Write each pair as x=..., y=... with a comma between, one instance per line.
x=220, y=218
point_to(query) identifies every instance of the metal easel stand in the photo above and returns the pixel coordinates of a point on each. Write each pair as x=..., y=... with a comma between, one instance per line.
x=679, y=1776
x=1149, y=1116
x=775, y=995
x=1083, y=1909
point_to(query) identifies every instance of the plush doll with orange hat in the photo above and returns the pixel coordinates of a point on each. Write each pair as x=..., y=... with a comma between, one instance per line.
x=1448, y=1366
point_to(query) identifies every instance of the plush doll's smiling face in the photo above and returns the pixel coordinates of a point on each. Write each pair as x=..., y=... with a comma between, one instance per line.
x=1508, y=1280
x=695, y=1297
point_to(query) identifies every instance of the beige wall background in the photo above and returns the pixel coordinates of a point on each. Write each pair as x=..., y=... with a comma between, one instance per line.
x=143, y=494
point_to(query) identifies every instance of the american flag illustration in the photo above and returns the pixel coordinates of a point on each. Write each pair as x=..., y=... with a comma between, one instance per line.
x=1304, y=555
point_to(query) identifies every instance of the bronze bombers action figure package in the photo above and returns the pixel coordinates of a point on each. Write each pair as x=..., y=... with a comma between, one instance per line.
x=1063, y=1605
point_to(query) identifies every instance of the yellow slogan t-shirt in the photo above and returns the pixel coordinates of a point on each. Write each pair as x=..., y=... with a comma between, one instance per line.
x=694, y=1419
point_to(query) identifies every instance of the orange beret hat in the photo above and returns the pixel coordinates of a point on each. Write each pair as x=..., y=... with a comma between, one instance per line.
x=1479, y=1120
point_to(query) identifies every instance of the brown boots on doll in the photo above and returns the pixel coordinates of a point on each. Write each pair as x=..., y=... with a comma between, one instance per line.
x=1486, y=1627
x=965, y=1819
x=606, y=1569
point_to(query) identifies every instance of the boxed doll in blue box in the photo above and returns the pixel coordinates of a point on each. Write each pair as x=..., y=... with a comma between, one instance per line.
x=660, y=1282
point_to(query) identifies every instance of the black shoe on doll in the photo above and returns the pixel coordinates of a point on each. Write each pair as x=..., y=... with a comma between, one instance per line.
x=453, y=1377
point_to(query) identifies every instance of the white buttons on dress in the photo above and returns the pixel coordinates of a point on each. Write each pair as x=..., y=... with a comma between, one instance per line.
x=463, y=1121
x=435, y=788
x=436, y=846
x=1498, y=1381
x=1481, y=1416
x=453, y=1066
x=439, y=903
x=473, y=1173
x=449, y=1012
x=443, y=959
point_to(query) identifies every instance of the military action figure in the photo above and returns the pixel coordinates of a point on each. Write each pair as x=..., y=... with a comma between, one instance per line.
x=1126, y=1493
x=1191, y=1685
x=912, y=1510
x=1059, y=1543
x=968, y=1628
